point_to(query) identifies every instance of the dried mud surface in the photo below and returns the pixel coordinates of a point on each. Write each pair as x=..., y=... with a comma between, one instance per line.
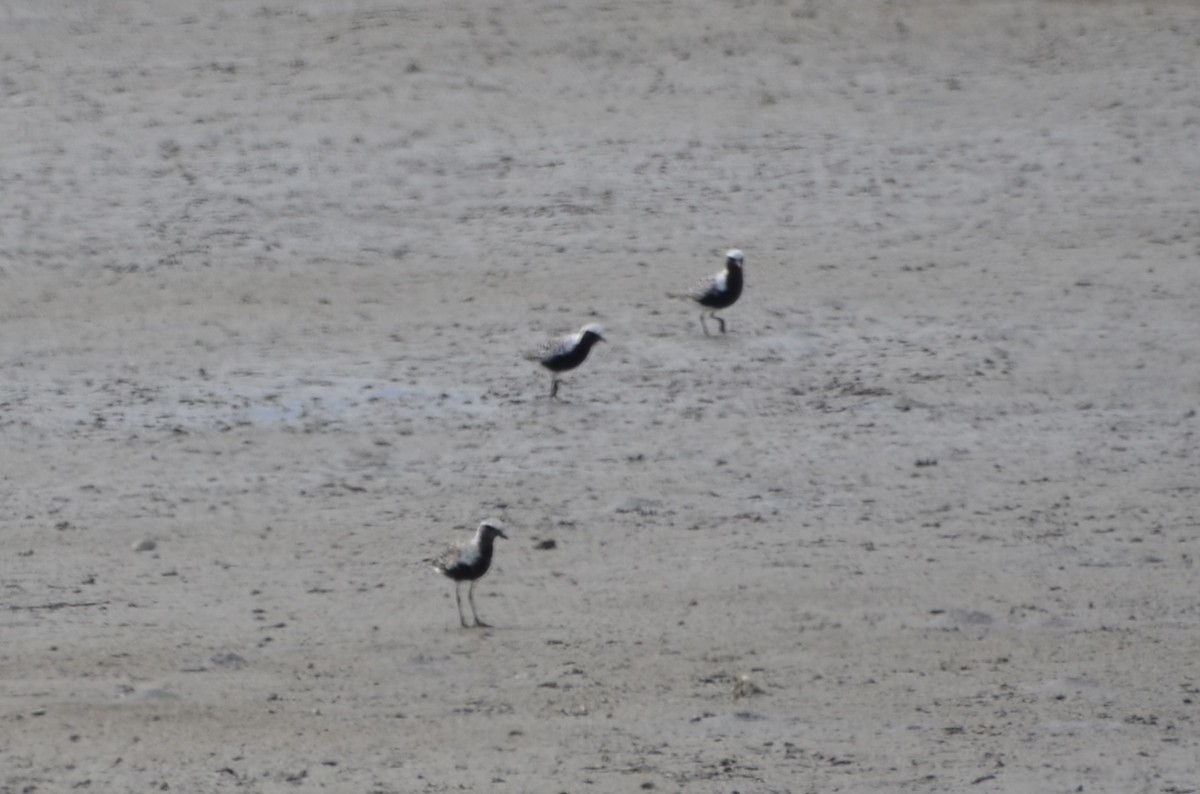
x=923, y=520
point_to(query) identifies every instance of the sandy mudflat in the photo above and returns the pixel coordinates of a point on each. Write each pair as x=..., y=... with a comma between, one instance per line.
x=924, y=520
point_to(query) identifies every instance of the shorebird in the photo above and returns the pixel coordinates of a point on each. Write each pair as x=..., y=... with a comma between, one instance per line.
x=468, y=562
x=719, y=291
x=567, y=353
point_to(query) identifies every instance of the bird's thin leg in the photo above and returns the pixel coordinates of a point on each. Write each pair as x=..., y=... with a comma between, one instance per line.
x=719, y=320
x=704, y=325
x=471, y=598
x=458, y=599
x=553, y=387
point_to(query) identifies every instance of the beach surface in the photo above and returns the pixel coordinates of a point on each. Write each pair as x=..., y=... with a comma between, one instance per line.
x=924, y=519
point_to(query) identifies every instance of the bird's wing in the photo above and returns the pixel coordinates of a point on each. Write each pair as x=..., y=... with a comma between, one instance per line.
x=553, y=347
x=538, y=352
x=703, y=288
x=457, y=554
x=714, y=284
x=468, y=554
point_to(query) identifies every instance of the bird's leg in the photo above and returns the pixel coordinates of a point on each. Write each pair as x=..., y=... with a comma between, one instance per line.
x=704, y=325
x=719, y=320
x=553, y=387
x=471, y=598
x=458, y=599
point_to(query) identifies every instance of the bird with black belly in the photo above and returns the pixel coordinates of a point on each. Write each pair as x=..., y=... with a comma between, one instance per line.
x=719, y=291
x=567, y=353
x=468, y=563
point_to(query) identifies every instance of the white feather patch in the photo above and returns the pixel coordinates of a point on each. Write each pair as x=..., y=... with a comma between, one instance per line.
x=469, y=555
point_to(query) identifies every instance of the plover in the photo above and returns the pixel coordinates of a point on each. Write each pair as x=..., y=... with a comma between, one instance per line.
x=567, y=353
x=719, y=291
x=468, y=562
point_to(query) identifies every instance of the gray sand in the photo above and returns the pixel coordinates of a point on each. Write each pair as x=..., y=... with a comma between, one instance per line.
x=923, y=520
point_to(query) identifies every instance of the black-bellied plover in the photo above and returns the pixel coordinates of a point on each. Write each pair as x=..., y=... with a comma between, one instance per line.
x=567, y=353
x=468, y=562
x=719, y=291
